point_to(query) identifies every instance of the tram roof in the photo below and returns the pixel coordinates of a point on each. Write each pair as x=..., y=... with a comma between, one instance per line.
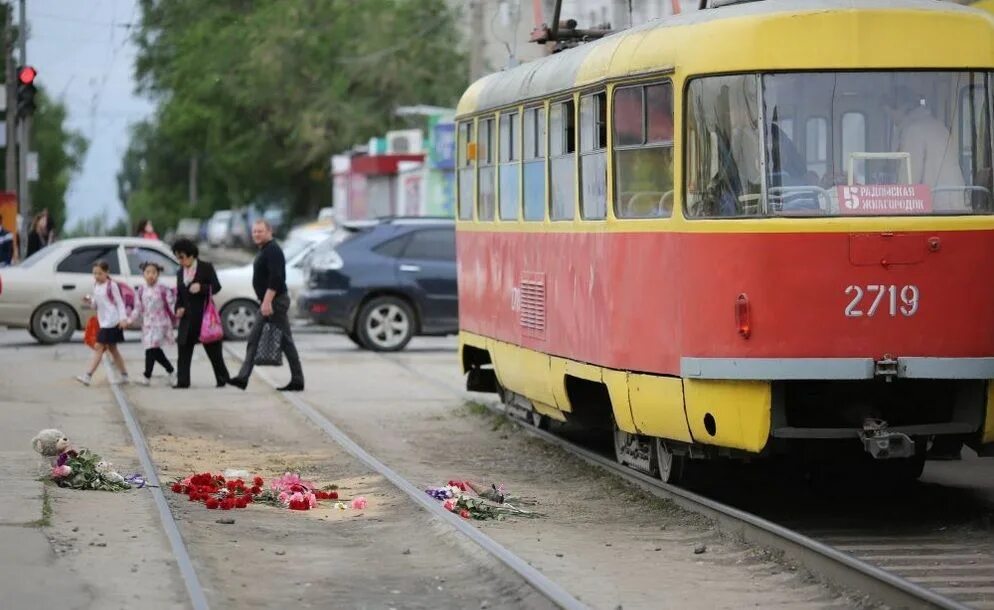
x=663, y=44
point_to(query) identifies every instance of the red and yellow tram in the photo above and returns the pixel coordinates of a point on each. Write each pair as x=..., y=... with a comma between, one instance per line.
x=749, y=230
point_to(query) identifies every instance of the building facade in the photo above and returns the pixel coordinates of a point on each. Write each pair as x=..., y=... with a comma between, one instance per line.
x=497, y=32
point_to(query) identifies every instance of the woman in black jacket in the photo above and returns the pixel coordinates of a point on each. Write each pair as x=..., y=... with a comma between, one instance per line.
x=196, y=282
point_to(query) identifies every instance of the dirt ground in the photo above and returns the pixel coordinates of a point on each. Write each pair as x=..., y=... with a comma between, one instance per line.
x=391, y=555
x=608, y=543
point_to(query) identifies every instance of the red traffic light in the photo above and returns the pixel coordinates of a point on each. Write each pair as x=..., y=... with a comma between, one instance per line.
x=26, y=75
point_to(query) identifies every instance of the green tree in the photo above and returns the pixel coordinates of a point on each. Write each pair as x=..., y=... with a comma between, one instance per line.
x=60, y=155
x=263, y=92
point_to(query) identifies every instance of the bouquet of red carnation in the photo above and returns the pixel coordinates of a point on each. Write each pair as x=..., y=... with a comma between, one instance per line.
x=217, y=493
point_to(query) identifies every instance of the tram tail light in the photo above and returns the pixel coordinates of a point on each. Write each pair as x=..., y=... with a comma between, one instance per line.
x=743, y=316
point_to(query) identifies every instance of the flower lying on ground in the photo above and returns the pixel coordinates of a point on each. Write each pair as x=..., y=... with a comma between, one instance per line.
x=215, y=491
x=287, y=491
x=472, y=501
x=86, y=470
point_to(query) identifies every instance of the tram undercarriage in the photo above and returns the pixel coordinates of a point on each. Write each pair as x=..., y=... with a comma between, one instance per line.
x=884, y=429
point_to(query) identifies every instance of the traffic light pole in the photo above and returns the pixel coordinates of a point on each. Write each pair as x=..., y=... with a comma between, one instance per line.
x=10, y=182
x=23, y=192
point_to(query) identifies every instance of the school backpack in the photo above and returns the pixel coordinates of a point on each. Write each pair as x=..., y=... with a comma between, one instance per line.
x=127, y=293
x=164, y=292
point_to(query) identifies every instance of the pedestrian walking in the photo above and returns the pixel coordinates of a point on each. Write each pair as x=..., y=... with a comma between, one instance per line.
x=269, y=282
x=41, y=233
x=196, y=286
x=146, y=230
x=7, y=251
x=155, y=307
x=112, y=316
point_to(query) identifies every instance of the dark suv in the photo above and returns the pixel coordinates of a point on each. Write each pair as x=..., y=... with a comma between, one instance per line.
x=386, y=284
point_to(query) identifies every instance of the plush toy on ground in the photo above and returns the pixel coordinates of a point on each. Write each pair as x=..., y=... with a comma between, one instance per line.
x=81, y=469
x=52, y=444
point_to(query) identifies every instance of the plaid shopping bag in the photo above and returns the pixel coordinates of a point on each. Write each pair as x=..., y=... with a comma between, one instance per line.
x=269, y=352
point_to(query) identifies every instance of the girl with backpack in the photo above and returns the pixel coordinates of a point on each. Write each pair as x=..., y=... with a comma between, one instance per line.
x=108, y=300
x=155, y=305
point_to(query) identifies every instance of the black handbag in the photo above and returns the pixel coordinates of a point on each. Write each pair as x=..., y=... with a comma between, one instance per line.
x=269, y=352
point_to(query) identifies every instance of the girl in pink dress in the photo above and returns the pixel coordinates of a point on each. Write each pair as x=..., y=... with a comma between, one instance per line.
x=155, y=305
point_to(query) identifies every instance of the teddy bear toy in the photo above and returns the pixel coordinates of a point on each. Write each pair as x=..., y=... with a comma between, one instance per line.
x=54, y=445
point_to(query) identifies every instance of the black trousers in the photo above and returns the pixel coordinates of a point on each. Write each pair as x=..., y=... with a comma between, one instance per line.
x=216, y=355
x=281, y=305
x=153, y=355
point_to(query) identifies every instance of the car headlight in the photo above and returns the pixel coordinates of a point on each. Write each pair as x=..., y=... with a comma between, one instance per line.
x=326, y=261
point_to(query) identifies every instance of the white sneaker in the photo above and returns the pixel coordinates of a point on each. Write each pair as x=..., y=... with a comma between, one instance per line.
x=124, y=380
x=173, y=379
x=143, y=380
x=84, y=379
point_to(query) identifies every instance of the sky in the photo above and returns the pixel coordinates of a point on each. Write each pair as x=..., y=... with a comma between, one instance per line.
x=84, y=57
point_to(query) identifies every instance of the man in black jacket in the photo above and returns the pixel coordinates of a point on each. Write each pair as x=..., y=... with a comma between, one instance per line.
x=269, y=282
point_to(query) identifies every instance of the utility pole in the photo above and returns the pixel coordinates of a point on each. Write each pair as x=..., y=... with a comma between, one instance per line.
x=10, y=163
x=194, y=167
x=23, y=192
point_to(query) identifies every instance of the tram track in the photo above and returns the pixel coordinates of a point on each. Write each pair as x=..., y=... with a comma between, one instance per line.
x=910, y=570
x=548, y=588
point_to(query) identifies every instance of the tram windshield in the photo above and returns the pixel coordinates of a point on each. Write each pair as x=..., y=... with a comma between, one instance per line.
x=840, y=144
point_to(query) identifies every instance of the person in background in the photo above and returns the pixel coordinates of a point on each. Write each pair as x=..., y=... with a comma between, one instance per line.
x=195, y=285
x=109, y=303
x=269, y=281
x=146, y=230
x=41, y=233
x=154, y=306
x=7, y=251
x=934, y=156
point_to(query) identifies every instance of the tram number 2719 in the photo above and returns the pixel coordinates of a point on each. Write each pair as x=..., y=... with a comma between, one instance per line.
x=902, y=299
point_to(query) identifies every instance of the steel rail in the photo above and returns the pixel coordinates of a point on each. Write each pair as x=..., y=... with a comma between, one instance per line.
x=543, y=584
x=198, y=599
x=817, y=557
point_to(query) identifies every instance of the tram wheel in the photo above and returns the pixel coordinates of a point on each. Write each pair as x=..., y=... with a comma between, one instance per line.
x=538, y=420
x=672, y=468
x=635, y=451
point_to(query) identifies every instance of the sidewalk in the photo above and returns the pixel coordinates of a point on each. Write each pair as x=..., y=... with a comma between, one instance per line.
x=63, y=548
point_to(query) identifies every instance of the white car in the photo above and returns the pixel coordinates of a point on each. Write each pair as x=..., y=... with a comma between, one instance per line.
x=44, y=294
x=219, y=228
x=237, y=302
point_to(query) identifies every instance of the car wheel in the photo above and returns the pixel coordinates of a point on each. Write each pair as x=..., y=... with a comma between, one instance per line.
x=355, y=338
x=385, y=324
x=239, y=319
x=53, y=323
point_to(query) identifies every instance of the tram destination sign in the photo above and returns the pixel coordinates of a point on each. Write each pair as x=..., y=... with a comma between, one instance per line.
x=884, y=199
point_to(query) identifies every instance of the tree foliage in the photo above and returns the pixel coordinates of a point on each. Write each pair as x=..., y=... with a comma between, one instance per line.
x=60, y=155
x=263, y=92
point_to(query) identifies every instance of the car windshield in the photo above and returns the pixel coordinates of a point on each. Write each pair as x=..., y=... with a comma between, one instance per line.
x=840, y=144
x=292, y=248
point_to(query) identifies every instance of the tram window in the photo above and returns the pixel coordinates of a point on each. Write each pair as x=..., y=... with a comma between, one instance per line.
x=854, y=141
x=534, y=163
x=510, y=155
x=643, y=151
x=816, y=145
x=485, y=159
x=466, y=171
x=629, y=116
x=562, y=162
x=593, y=156
x=723, y=177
